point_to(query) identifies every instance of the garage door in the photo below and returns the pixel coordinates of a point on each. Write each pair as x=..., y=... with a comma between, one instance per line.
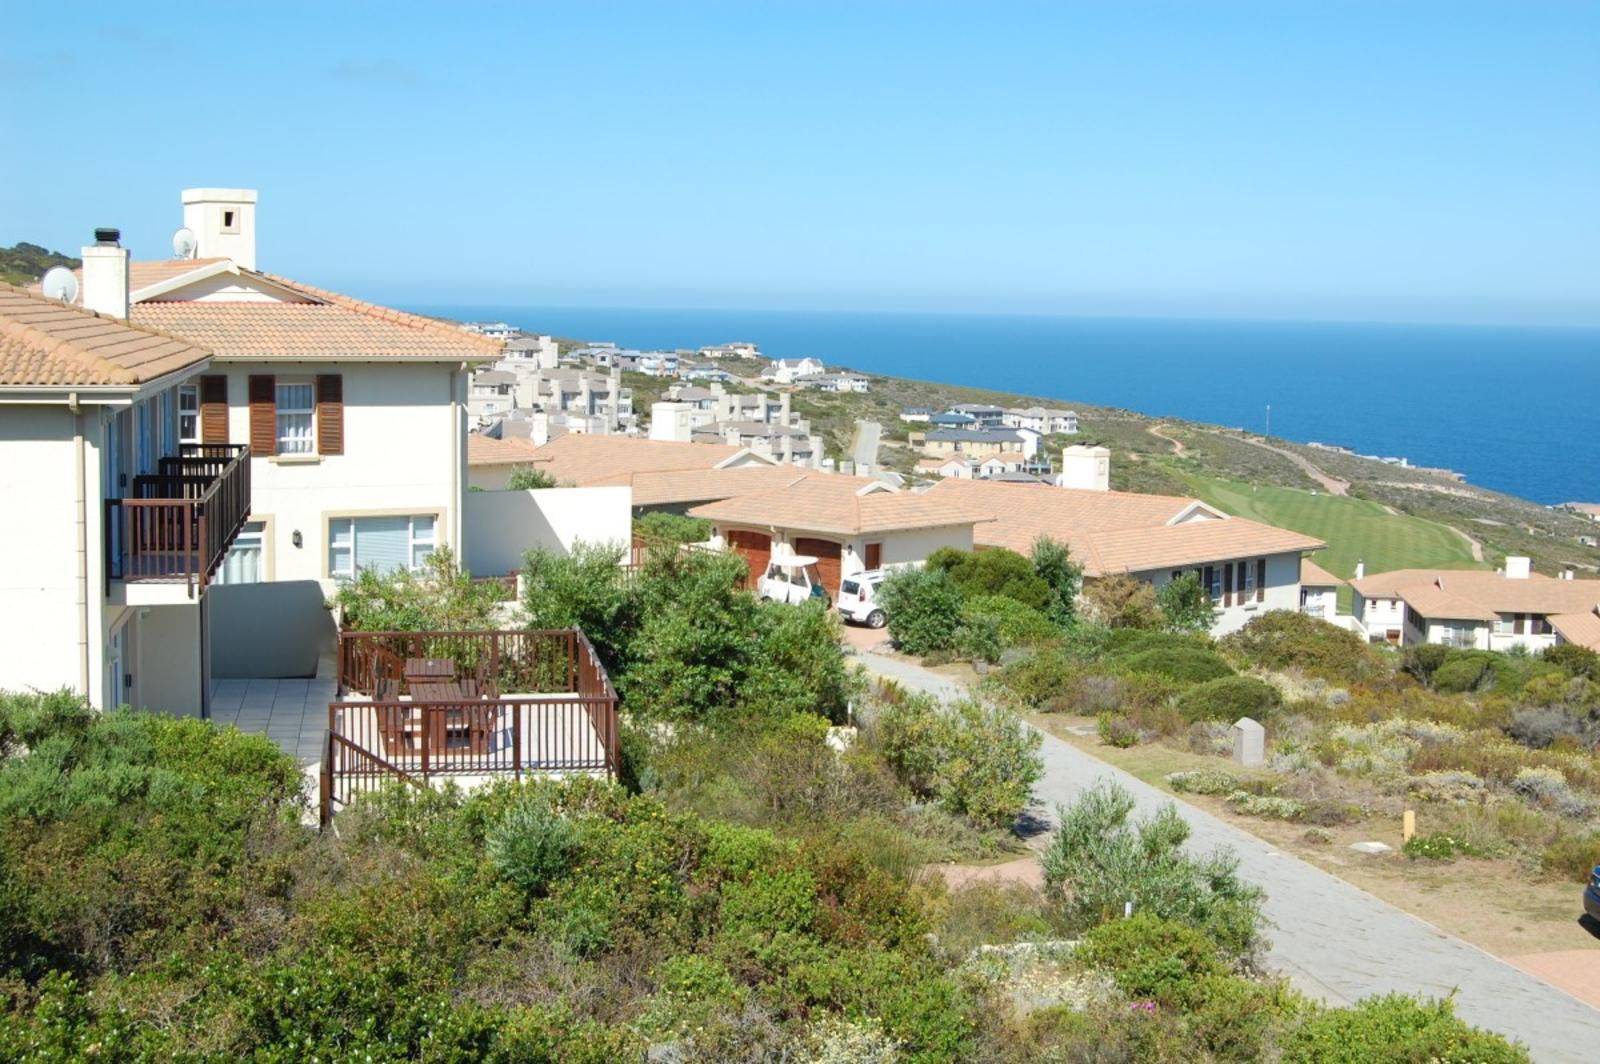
x=827, y=554
x=756, y=548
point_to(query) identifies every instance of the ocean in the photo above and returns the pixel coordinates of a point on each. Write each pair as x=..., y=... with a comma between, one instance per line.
x=1514, y=409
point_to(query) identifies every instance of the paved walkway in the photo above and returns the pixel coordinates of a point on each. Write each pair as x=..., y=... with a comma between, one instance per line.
x=1330, y=938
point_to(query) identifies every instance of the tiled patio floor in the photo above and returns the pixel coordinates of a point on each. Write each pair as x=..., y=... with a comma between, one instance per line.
x=292, y=713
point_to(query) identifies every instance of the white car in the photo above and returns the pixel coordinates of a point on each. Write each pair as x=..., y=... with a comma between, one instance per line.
x=858, y=599
x=793, y=579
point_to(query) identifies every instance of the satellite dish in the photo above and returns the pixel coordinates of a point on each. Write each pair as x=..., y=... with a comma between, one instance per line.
x=184, y=243
x=61, y=284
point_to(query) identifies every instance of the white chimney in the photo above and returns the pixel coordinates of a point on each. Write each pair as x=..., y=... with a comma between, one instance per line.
x=1518, y=567
x=783, y=408
x=1361, y=569
x=223, y=221
x=105, y=275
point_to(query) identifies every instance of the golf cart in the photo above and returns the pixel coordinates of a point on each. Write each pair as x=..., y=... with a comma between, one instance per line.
x=793, y=579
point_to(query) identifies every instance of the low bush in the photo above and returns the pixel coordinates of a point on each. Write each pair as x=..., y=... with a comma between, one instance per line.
x=439, y=597
x=1185, y=665
x=1151, y=959
x=977, y=761
x=1100, y=860
x=1267, y=806
x=1463, y=673
x=1203, y=781
x=1122, y=601
x=1438, y=847
x=1396, y=1027
x=1117, y=731
x=1185, y=606
x=1574, y=660
x=924, y=608
x=1422, y=660
x=1038, y=679
x=1572, y=857
x=1286, y=639
x=1015, y=624
x=1228, y=698
x=660, y=527
x=995, y=571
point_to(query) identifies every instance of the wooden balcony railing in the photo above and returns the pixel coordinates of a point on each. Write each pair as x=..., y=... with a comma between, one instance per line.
x=528, y=701
x=176, y=525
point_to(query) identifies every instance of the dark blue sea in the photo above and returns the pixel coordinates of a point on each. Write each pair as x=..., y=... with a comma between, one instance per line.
x=1515, y=409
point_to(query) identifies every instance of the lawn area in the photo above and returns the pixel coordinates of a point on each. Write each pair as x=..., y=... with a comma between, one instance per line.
x=1354, y=529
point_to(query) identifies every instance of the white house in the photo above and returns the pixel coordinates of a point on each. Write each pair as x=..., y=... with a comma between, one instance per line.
x=1319, y=591
x=1041, y=419
x=1247, y=568
x=1510, y=607
x=788, y=371
x=491, y=393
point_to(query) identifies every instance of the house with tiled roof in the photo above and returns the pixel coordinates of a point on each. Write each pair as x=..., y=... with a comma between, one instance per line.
x=1510, y=607
x=1246, y=567
x=121, y=518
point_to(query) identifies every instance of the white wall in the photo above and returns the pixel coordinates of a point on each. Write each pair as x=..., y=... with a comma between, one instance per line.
x=166, y=664
x=1378, y=616
x=502, y=526
x=1320, y=602
x=405, y=453
x=1282, y=591
x=909, y=547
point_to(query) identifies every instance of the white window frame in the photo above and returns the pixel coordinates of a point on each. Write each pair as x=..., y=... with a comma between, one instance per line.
x=1249, y=580
x=283, y=410
x=1505, y=624
x=415, y=540
x=189, y=391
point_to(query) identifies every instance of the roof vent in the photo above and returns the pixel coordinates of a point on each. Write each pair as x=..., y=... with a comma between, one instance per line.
x=108, y=237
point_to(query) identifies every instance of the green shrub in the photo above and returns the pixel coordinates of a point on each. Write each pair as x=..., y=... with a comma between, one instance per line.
x=1014, y=623
x=1572, y=857
x=1099, y=860
x=1203, y=781
x=1117, y=731
x=440, y=597
x=1287, y=639
x=1438, y=847
x=660, y=527
x=1125, y=642
x=1574, y=660
x=1463, y=672
x=993, y=571
x=1396, y=1027
x=1150, y=958
x=1185, y=606
x=1267, y=806
x=1422, y=660
x=1039, y=678
x=924, y=608
x=531, y=845
x=978, y=761
x=1229, y=698
x=525, y=478
x=1187, y=665
x=1053, y=562
x=1122, y=601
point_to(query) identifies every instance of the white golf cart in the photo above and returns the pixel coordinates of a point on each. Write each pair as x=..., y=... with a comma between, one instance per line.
x=793, y=579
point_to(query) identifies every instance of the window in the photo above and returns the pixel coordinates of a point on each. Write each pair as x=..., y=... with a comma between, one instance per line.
x=243, y=563
x=188, y=413
x=1214, y=583
x=1504, y=624
x=230, y=221
x=385, y=544
x=296, y=413
x=1247, y=574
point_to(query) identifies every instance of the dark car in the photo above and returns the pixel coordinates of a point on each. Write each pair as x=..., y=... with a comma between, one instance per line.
x=1591, y=894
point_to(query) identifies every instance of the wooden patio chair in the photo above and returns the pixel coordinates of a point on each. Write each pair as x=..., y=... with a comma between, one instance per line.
x=394, y=726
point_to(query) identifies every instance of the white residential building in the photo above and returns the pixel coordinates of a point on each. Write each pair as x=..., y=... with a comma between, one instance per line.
x=1041, y=419
x=788, y=371
x=1511, y=607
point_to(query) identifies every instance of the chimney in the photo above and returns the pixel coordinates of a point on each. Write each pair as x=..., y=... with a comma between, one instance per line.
x=783, y=407
x=105, y=275
x=223, y=221
x=1518, y=567
x=1361, y=569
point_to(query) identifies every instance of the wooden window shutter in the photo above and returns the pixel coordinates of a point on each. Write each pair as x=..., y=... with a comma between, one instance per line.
x=1261, y=579
x=330, y=413
x=214, y=409
x=1227, y=584
x=263, y=414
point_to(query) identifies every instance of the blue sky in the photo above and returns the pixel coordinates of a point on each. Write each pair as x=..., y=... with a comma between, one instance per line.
x=1388, y=160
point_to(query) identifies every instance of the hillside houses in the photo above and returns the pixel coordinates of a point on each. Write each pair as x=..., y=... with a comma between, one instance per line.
x=1513, y=607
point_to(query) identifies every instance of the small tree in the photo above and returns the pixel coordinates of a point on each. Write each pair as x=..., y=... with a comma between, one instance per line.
x=924, y=608
x=525, y=478
x=1185, y=605
x=1123, y=601
x=1053, y=562
x=439, y=597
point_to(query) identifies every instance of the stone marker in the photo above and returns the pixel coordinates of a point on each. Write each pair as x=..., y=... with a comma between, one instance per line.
x=1249, y=743
x=1370, y=847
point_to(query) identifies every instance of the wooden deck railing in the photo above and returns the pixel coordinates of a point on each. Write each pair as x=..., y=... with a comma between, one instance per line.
x=177, y=524
x=544, y=704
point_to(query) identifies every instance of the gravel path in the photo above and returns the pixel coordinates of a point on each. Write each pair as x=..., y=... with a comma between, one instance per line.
x=1331, y=939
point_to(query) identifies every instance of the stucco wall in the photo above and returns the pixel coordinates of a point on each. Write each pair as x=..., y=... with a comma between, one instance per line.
x=904, y=548
x=404, y=454
x=166, y=666
x=268, y=630
x=502, y=526
x=1282, y=591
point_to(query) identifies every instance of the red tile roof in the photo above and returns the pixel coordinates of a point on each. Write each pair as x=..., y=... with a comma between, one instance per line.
x=45, y=343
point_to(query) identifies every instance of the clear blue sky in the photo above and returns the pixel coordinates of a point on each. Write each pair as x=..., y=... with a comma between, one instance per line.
x=1387, y=160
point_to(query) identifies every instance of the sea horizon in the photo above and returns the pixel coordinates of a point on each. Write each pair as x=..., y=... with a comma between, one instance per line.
x=1492, y=396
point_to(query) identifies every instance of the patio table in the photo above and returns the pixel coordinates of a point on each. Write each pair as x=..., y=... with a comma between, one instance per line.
x=423, y=670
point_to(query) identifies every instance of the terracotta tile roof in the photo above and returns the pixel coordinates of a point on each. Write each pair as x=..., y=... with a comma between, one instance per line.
x=144, y=274
x=1475, y=594
x=1580, y=628
x=1316, y=576
x=487, y=451
x=1115, y=531
x=584, y=459
x=46, y=343
x=671, y=486
x=836, y=504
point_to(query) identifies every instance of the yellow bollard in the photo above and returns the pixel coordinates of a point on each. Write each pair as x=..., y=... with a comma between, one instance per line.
x=1408, y=825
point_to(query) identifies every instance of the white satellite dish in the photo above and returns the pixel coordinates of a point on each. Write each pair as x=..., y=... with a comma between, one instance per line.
x=60, y=283
x=184, y=243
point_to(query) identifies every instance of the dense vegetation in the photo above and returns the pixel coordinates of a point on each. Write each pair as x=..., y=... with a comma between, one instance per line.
x=23, y=263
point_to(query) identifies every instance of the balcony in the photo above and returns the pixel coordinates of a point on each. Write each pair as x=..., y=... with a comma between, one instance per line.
x=424, y=707
x=177, y=524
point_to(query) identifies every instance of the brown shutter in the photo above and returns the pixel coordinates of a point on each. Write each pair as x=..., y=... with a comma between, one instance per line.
x=214, y=409
x=1261, y=579
x=263, y=414
x=330, y=413
x=1227, y=584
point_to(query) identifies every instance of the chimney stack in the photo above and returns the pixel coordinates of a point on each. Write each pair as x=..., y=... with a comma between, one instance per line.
x=1361, y=569
x=105, y=275
x=223, y=221
x=1518, y=567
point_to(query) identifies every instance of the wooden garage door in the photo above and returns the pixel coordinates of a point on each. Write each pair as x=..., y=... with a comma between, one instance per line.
x=827, y=554
x=756, y=548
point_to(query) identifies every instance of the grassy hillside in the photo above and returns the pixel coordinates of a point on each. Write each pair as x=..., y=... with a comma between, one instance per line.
x=24, y=263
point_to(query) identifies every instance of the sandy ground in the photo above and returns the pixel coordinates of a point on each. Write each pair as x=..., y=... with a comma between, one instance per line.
x=1024, y=870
